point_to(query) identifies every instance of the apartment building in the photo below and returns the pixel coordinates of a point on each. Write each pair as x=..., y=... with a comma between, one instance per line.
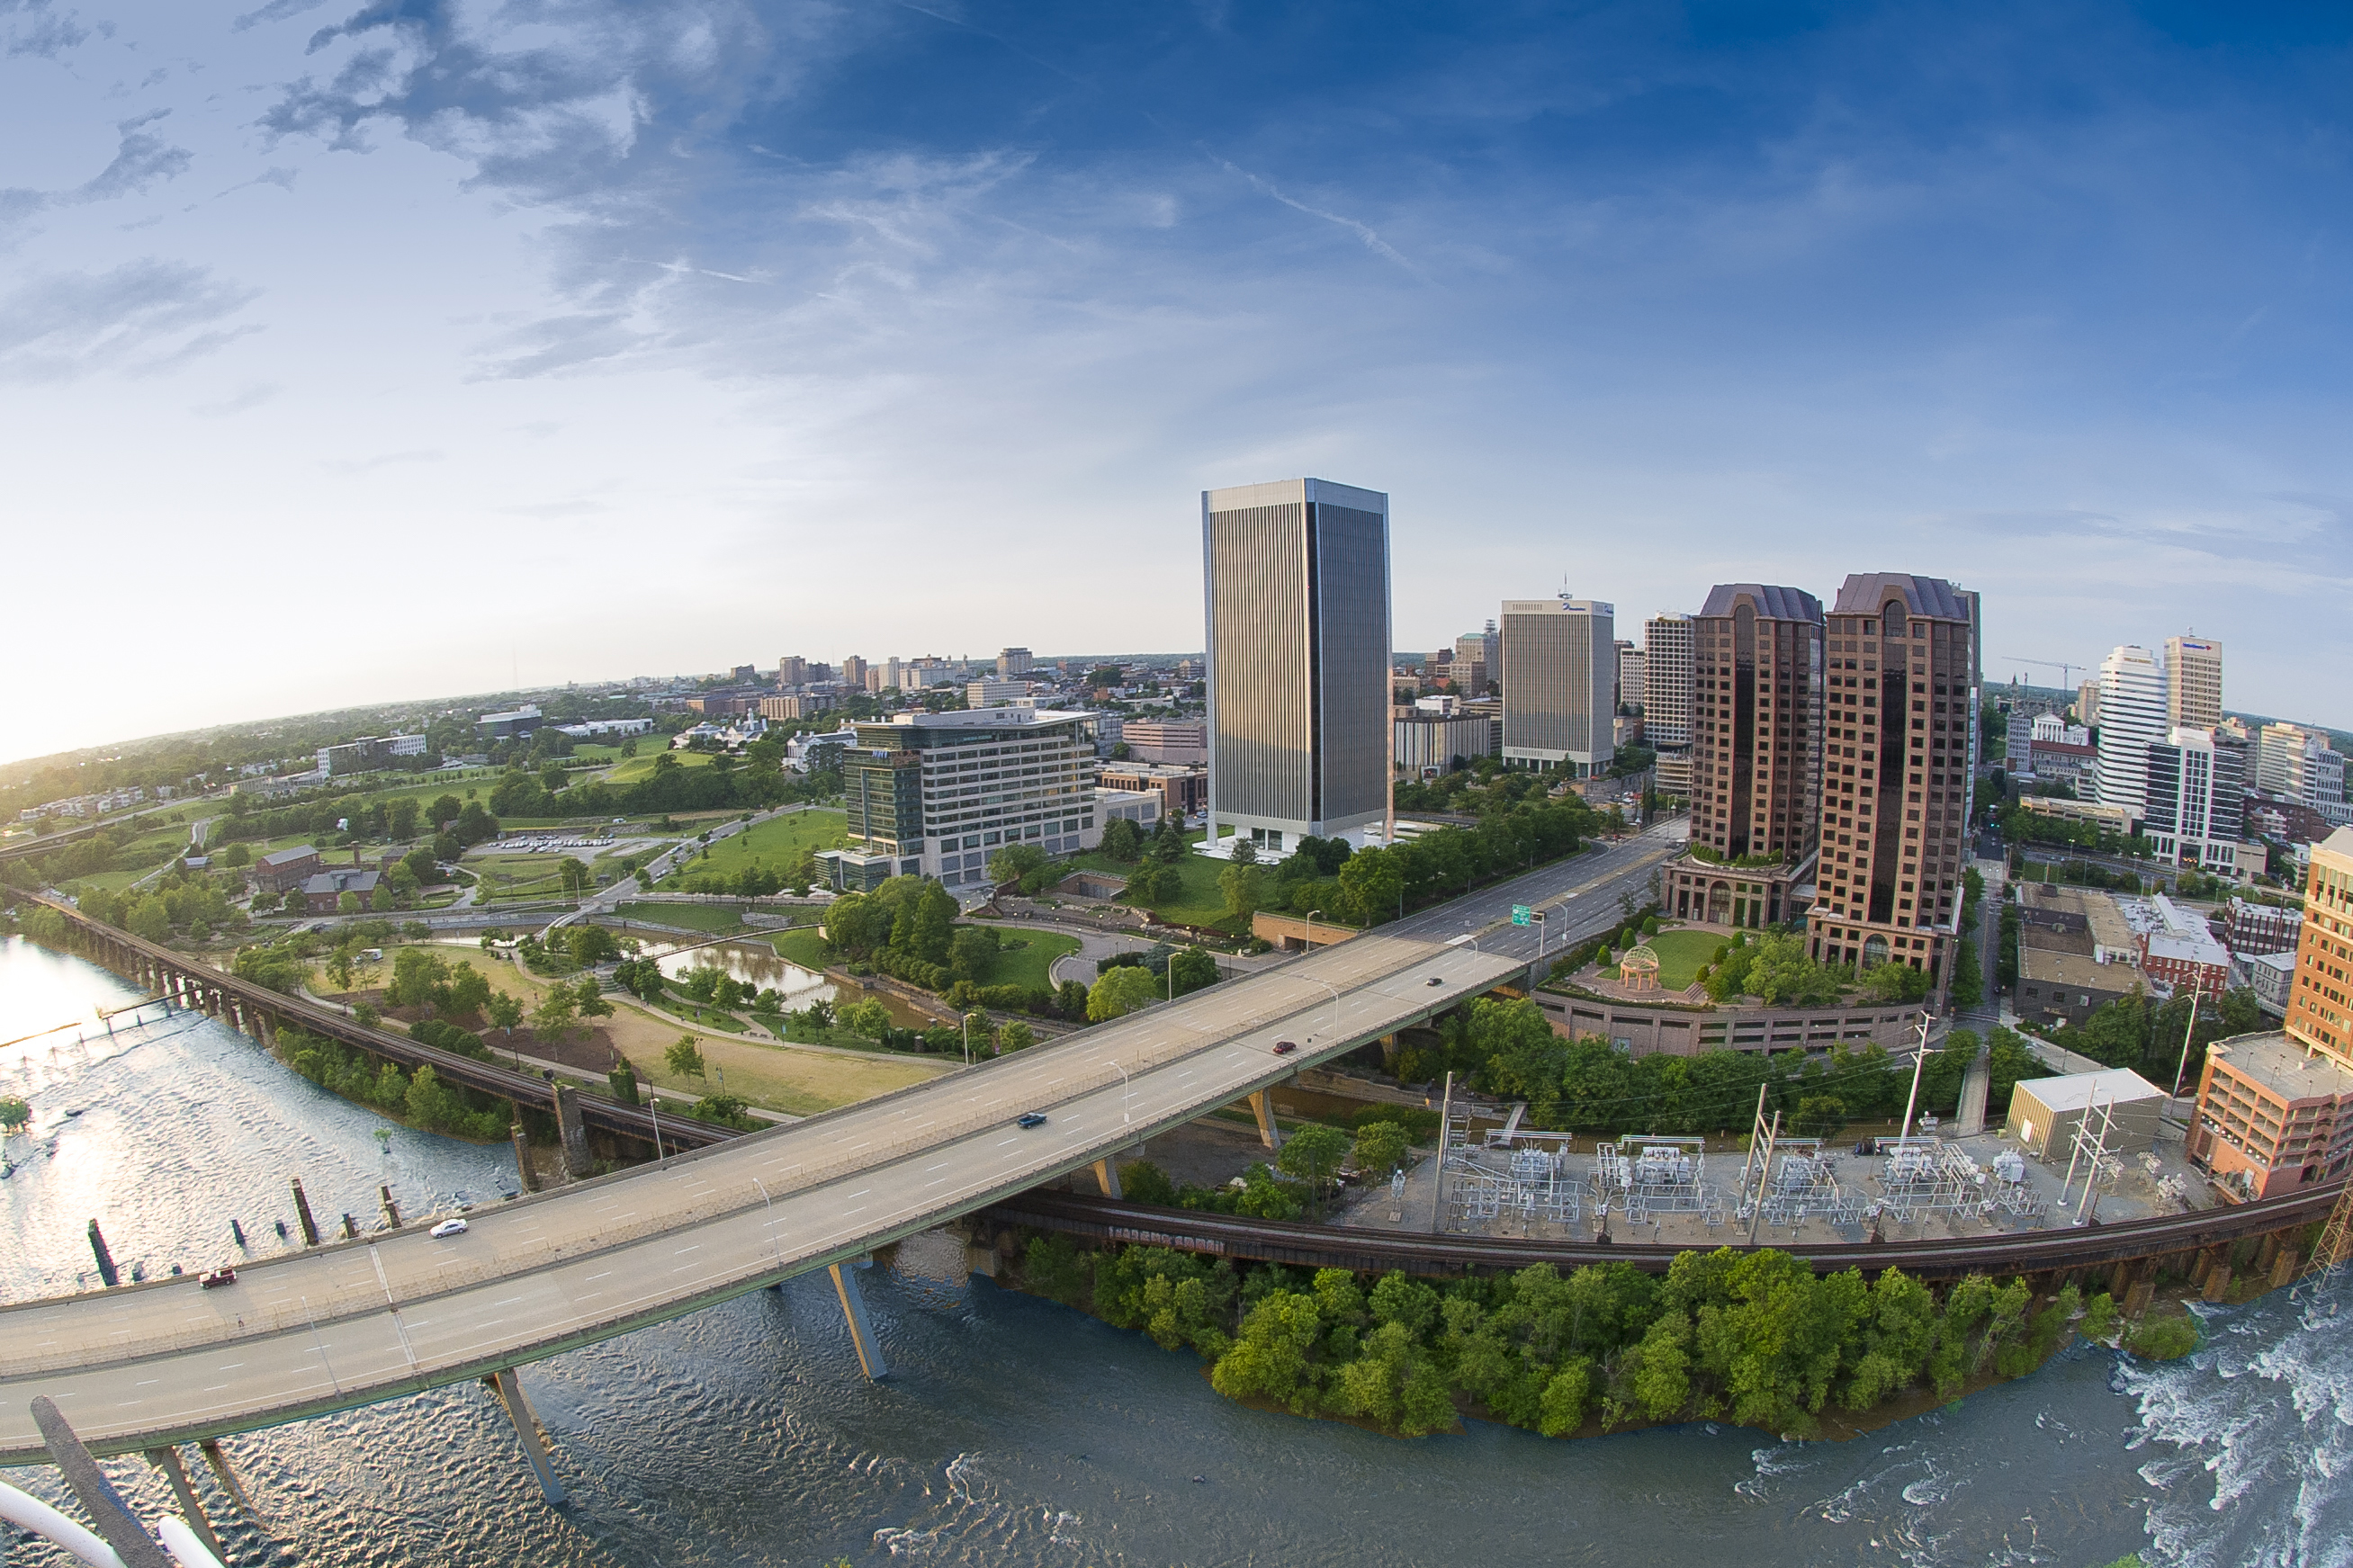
x=1901, y=658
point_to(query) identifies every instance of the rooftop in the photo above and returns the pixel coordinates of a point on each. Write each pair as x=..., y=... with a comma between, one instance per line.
x=2282, y=1068
x=2077, y=1090
x=2074, y=969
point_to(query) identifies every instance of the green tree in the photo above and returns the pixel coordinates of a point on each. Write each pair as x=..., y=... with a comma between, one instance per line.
x=1243, y=885
x=556, y=1014
x=1969, y=979
x=1313, y=1155
x=1122, y=840
x=15, y=1115
x=590, y=996
x=1193, y=968
x=1381, y=1147
x=400, y=818
x=365, y=1014
x=1819, y=1116
x=685, y=1057
x=868, y=1019
x=1120, y=991
x=1013, y=1035
x=1014, y=862
x=504, y=1011
x=149, y=920
x=347, y=903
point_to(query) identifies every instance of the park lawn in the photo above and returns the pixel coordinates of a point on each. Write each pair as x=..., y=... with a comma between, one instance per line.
x=518, y=876
x=631, y=770
x=778, y=1078
x=1026, y=959
x=1681, y=954
x=719, y=920
x=780, y=842
x=803, y=946
x=1198, y=900
x=695, y=1013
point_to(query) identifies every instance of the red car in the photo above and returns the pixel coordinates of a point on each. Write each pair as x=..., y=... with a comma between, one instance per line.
x=1284, y=1047
x=221, y=1276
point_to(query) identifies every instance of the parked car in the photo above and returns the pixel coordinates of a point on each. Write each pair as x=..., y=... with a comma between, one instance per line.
x=448, y=1228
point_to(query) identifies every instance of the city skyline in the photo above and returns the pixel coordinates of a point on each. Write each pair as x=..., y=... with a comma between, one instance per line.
x=464, y=350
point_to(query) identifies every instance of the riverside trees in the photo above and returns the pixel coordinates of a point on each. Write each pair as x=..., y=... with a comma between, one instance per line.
x=1755, y=1338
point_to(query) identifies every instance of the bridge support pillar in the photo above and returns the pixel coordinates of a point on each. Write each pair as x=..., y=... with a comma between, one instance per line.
x=117, y=1525
x=302, y=1215
x=167, y=1459
x=2218, y=1282
x=1390, y=1051
x=577, y=1162
x=508, y=1388
x=222, y=1473
x=1107, y=1176
x=1262, y=1106
x=2265, y=1250
x=523, y=1167
x=2137, y=1298
x=2283, y=1267
x=861, y=1333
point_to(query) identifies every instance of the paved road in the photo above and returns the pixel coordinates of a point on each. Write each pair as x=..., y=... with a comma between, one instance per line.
x=349, y=1324
x=1580, y=895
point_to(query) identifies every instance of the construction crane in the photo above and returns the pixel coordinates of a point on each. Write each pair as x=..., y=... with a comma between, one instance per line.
x=2066, y=672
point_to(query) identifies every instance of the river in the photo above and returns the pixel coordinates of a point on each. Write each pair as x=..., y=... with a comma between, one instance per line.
x=1016, y=1432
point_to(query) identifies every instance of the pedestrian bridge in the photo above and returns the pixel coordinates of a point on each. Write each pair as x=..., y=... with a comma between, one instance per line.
x=331, y=1328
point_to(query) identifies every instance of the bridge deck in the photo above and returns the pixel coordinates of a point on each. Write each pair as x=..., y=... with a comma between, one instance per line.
x=359, y=1322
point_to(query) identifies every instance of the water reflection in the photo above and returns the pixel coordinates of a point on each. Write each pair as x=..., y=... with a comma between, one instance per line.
x=755, y=961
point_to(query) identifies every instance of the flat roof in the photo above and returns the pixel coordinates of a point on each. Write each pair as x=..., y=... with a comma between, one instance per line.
x=2282, y=1068
x=2078, y=970
x=2078, y=1090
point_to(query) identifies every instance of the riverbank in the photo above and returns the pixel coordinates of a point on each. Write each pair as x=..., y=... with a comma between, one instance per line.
x=1740, y=1339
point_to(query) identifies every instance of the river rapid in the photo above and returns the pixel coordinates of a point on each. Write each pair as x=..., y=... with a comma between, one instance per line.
x=1016, y=1432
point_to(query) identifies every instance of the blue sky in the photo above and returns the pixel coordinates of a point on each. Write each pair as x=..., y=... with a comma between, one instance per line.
x=351, y=353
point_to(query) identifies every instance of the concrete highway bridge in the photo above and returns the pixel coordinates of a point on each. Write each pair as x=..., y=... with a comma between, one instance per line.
x=146, y=1367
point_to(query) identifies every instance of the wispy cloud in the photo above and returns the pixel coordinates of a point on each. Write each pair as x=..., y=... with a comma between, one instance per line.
x=1363, y=232
x=141, y=318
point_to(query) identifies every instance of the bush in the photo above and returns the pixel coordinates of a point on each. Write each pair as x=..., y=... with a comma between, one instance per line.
x=2163, y=1339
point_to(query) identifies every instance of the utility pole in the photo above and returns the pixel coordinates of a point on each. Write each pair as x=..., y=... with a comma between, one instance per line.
x=2188, y=1031
x=1445, y=1121
x=1919, y=1060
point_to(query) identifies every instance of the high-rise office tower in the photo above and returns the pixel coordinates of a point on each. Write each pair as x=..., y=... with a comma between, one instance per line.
x=2194, y=794
x=1630, y=674
x=2087, y=704
x=791, y=670
x=2132, y=720
x=853, y=671
x=1755, y=756
x=1012, y=661
x=1901, y=658
x=1667, y=680
x=2193, y=683
x=1756, y=721
x=1560, y=705
x=1296, y=575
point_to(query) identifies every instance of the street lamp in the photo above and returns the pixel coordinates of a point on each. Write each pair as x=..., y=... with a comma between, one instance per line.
x=1311, y=929
x=1125, y=1085
x=654, y=1101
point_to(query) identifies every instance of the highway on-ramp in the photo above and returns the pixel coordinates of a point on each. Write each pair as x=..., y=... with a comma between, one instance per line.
x=358, y=1321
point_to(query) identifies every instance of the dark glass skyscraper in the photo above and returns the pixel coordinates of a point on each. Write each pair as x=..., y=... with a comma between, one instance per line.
x=1296, y=575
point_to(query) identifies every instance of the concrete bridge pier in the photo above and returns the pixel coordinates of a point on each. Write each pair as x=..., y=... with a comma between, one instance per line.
x=508, y=1390
x=861, y=1333
x=222, y=1473
x=1107, y=1175
x=576, y=1161
x=524, y=1170
x=167, y=1459
x=1262, y=1105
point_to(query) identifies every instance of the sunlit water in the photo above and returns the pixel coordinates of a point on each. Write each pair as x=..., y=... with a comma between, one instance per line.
x=1014, y=1432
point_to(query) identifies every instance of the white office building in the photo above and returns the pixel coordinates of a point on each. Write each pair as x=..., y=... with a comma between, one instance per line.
x=2132, y=720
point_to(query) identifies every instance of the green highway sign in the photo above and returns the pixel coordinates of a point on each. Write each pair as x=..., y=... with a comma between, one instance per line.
x=1522, y=915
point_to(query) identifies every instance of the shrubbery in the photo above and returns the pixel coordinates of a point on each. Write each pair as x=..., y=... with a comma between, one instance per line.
x=1755, y=1338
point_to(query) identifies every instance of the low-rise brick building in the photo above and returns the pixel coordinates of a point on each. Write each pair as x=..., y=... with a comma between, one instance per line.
x=286, y=869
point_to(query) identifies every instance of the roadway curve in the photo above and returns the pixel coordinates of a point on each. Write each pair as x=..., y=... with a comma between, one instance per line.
x=346, y=1325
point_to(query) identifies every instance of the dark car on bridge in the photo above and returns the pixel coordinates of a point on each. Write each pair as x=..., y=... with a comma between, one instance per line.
x=1031, y=1119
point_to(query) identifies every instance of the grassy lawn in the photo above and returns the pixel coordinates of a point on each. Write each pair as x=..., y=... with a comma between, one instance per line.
x=693, y=1012
x=780, y=842
x=1026, y=959
x=1199, y=902
x=518, y=876
x=781, y=1079
x=629, y=770
x=719, y=920
x=803, y=947
x=1680, y=953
